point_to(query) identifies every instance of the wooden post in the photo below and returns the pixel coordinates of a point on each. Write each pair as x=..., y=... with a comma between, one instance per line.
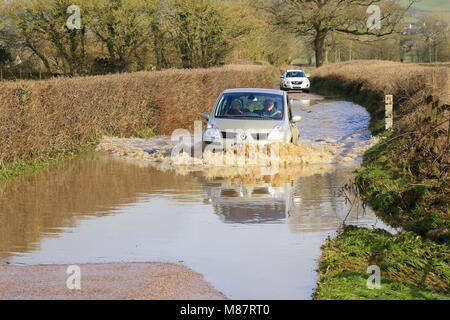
x=434, y=108
x=436, y=111
x=389, y=116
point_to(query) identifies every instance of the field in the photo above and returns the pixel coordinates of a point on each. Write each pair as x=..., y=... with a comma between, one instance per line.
x=368, y=82
x=430, y=5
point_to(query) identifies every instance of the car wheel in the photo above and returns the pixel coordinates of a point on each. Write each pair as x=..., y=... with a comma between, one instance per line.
x=204, y=145
x=306, y=90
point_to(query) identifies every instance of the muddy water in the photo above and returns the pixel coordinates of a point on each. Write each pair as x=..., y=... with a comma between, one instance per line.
x=253, y=237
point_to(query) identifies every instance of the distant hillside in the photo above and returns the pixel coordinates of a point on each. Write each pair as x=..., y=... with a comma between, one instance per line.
x=430, y=5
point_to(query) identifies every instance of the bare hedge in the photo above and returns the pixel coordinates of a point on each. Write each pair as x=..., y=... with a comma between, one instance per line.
x=40, y=118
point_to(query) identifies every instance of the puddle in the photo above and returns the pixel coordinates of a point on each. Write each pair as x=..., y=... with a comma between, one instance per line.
x=253, y=233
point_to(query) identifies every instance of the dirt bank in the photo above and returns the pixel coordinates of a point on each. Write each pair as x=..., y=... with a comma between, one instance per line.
x=405, y=178
x=128, y=281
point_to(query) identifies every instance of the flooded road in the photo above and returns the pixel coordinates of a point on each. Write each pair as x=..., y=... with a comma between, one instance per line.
x=252, y=237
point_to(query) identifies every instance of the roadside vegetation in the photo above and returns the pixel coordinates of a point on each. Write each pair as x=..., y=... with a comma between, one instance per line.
x=367, y=83
x=405, y=179
x=411, y=267
x=13, y=170
x=103, y=81
x=47, y=120
x=114, y=36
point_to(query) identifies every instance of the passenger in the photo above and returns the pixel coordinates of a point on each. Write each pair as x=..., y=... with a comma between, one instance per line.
x=236, y=108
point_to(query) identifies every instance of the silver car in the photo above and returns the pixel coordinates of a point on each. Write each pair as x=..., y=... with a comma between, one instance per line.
x=251, y=116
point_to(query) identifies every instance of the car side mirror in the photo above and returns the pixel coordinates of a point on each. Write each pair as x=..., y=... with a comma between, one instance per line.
x=281, y=77
x=296, y=119
x=205, y=115
x=308, y=75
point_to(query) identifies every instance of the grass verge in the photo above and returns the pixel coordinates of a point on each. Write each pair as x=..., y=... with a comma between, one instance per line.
x=412, y=268
x=13, y=171
x=404, y=179
x=401, y=198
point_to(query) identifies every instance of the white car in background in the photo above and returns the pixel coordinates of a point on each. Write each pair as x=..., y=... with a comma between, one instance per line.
x=295, y=80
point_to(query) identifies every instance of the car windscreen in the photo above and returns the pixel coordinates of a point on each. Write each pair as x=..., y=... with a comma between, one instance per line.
x=252, y=106
x=295, y=74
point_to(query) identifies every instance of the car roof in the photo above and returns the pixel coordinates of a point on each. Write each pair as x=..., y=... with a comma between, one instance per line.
x=296, y=70
x=255, y=90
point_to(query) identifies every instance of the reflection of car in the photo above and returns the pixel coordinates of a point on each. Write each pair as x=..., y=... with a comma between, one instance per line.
x=251, y=115
x=295, y=80
x=239, y=203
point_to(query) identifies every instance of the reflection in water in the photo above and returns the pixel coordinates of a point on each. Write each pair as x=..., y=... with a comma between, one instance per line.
x=250, y=204
x=253, y=232
x=310, y=203
x=99, y=209
x=90, y=186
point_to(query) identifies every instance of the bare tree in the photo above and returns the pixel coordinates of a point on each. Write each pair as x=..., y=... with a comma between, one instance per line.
x=317, y=19
x=433, y=33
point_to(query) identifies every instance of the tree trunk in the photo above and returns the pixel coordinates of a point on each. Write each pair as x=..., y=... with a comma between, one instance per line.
x=41, y=56
x=159, y=49
x=319, y=46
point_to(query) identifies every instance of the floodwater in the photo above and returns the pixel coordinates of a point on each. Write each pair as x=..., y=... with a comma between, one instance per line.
x=251, y=239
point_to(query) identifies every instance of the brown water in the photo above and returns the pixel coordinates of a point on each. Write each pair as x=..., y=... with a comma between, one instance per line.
x=253, y=235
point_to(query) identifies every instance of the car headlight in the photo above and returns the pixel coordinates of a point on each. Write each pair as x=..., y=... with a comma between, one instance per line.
x=276, y=134
x=212, y=133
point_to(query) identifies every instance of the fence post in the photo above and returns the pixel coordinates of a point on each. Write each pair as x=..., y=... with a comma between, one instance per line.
x=432, y=108
x=389, y=116
x=436, y=110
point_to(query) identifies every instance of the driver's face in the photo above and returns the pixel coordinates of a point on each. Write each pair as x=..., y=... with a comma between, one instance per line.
x=236, y=105
x=269, y=107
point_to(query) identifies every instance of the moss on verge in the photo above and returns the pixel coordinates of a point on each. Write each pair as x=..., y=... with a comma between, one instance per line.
x=412, y=268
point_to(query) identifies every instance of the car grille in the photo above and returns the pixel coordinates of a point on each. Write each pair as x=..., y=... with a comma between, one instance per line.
x=255, y=136
x=297, y=82
x=260, y=136
x=228, y=135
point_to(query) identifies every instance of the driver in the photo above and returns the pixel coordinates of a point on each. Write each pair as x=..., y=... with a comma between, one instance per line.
x=269, y=109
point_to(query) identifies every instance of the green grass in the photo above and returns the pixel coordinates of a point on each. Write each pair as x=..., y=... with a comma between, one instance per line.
x=146, y=133
x=12, y=171
x=395, y=194
x=386, y=182
x=412, y=268
x=15, y=170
